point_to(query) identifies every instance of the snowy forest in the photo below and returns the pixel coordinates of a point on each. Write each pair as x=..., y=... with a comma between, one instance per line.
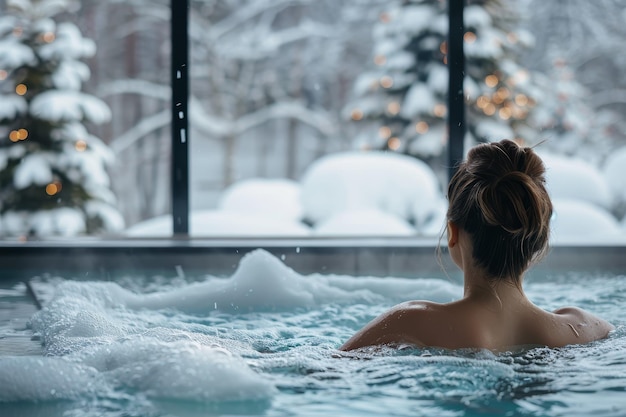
x=307, y=117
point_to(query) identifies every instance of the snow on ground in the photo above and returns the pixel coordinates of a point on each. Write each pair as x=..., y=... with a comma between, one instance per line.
x=364, y=222
x=391, y=183
x=217, y=223
x=385, y=194
x=569, y=178
x=269, y=197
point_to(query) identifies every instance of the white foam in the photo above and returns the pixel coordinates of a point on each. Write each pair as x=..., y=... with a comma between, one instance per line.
x=45, y=379
x=104, y=340
x=181, y=370
x=262, y=282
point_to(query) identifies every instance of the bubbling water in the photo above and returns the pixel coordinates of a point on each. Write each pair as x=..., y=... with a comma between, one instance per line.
x=101, y=338
x=264, y=341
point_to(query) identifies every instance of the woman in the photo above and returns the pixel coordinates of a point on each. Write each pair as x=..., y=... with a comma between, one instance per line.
x=498, y=225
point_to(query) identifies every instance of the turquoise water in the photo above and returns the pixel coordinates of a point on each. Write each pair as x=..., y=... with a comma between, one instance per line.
x=263, y=342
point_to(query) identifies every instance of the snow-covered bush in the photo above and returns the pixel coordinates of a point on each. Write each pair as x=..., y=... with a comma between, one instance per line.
x=581, y=219
x=259, y=196
x=391, y=183
x=575, y=179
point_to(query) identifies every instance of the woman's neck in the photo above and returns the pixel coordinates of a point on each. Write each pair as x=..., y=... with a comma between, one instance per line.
x=478, y=284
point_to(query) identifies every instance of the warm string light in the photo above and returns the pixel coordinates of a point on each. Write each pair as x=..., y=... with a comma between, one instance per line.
x=356, y=115
x=384, y=132
x=386, y=81
x=21, y=89
x=3, y=75
x=394, y=143
x=53, y=188
x=380, y=60
x=489, y=109
x=80, y=145
x=440, y=110
x=491, y=80
x=505, y=113
x=502, y=100
x=443, y=47
x=521, y=100
x=421, y=127
x=393, y=108
x=48, y=37
x=385, y=17
x=469, y=37
x=18, y=31
x=18, y=135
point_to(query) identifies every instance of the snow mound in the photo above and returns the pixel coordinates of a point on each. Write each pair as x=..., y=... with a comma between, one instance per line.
x=568, y=178
x=392, y=183
x=615, y=173
x=271, y=197
x=216, y=223
x=576, y=218
x=367, y=222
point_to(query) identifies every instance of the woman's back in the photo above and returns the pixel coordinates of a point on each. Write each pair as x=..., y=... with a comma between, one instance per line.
x=469, y=323
x=498, y=224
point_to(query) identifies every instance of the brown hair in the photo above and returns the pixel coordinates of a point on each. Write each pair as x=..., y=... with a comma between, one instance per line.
x=498, y=197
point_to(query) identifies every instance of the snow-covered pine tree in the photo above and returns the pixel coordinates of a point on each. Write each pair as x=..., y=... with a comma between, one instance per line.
x=402, y=101
x=53, y=179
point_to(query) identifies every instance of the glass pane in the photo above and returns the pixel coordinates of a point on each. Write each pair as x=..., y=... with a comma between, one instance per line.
x=304, y=123
x=84, y=125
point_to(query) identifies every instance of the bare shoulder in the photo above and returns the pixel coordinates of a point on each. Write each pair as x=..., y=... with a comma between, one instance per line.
x=581, y=315
x=404, y=323
x=584, y=325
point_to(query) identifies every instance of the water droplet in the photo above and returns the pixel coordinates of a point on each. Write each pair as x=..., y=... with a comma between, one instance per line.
x=283, y=257
x=298, y=249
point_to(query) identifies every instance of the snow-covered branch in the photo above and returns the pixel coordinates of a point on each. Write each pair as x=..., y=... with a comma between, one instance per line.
x=133, y=86
x=141, y=129
x=318, y=119
x=216, y=126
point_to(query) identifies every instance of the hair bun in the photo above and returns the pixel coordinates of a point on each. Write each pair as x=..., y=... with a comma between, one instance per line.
x=511, y=192
x=508, y=202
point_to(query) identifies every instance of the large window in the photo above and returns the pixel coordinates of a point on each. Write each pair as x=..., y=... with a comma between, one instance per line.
x=306, y=118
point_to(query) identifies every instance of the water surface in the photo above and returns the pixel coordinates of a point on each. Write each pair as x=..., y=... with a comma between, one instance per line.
x=264, y=342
